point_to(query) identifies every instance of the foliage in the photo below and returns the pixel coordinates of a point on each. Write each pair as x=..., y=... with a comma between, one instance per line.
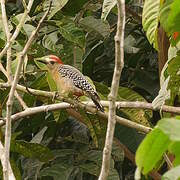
x=54, y=144
x=165, y=136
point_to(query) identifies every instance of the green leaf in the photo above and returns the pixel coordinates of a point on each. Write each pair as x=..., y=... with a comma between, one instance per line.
x=26, y=28
x=31, y=150
x=55, y=7
x=57, y=171
x=173, y=174
x=72, y=33
x=51, y=83
x=172, y=73
x=150, y=20
x=175, y=149
x=126, y=94
x=95, y=25
x=88, y=122
x=40, y=65
x=151, y=150
x=169, y=19
x=140, y=116
x=50, y=42
x=164, y=14
x=90, y=168
x=170, y=127
x=107, y=6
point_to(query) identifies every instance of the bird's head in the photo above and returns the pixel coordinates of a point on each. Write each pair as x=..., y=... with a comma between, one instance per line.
x=50, y=61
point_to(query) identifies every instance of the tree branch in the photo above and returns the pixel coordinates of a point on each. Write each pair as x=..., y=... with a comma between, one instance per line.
x=63, y=105
x=2, y=157
x=18, y=28
x=12, y=91
x=119, y=64
x=119, y=104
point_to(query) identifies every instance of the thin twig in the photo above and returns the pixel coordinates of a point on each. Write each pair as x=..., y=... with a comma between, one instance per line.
x=18, y=28
x=119, y=64
x=21, y=101
x=8, y=35
x=12, y=91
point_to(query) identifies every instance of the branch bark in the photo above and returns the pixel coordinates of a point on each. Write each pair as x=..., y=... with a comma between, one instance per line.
x=119, y=64
x=2, y=157
x=119, y=104
x=63, y=105
x=18, y=28
x=11, y=95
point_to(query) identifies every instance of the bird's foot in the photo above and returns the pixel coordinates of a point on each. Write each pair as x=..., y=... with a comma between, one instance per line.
x=55, y=96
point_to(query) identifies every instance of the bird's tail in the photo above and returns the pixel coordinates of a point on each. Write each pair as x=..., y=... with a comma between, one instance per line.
x=95, y=98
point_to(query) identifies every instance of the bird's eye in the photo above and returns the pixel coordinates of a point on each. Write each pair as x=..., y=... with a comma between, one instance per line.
x=52, y=62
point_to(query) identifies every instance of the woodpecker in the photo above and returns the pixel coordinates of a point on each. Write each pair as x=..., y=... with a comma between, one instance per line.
x=70, y=80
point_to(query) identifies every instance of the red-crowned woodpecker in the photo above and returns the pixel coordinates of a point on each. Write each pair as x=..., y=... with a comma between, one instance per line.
x=69, y=80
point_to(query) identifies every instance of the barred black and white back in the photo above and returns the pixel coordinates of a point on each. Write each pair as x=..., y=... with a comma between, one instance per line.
x=80, y=82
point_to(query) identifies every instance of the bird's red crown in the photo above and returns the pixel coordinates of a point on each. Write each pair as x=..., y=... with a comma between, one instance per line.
x=56, y=59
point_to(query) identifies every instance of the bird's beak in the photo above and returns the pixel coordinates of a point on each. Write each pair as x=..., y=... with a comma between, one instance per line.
x=44, y=59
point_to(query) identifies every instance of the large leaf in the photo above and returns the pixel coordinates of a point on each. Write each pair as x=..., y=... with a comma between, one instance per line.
x=151, y=150
x=71, y=33
x=31, y=150
x=95, y=25
x=150, y=20
x=172, y=72
x=126, y=94
x=174, y=16
x=169, y=16
x=56, y=6
x=58, y=171
x=175, y=149
x=170, y=127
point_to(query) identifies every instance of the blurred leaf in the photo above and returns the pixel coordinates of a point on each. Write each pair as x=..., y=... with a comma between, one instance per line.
x=169, y=14
x=51, y=83
x=170, y=127
x=73, y=7
x=151, y=150
x=173, y=173
x=16, y=19
x=72, y=33
x=89, y=124
x=90, y=24
x=175, y=149
x=150, y=20
x=15, y=63
x=171, y=75
x=39, y=136
x=40, y=64
x=15, y=170
x=58, y=171
x=55, y=7
x=90, y=168
x=31, y=150
x=140, y=116
x=113, y=175
x=50, y=42
x=107, y=6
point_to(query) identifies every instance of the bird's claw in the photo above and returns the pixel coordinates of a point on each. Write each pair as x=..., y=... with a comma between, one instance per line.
x=55, y=96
